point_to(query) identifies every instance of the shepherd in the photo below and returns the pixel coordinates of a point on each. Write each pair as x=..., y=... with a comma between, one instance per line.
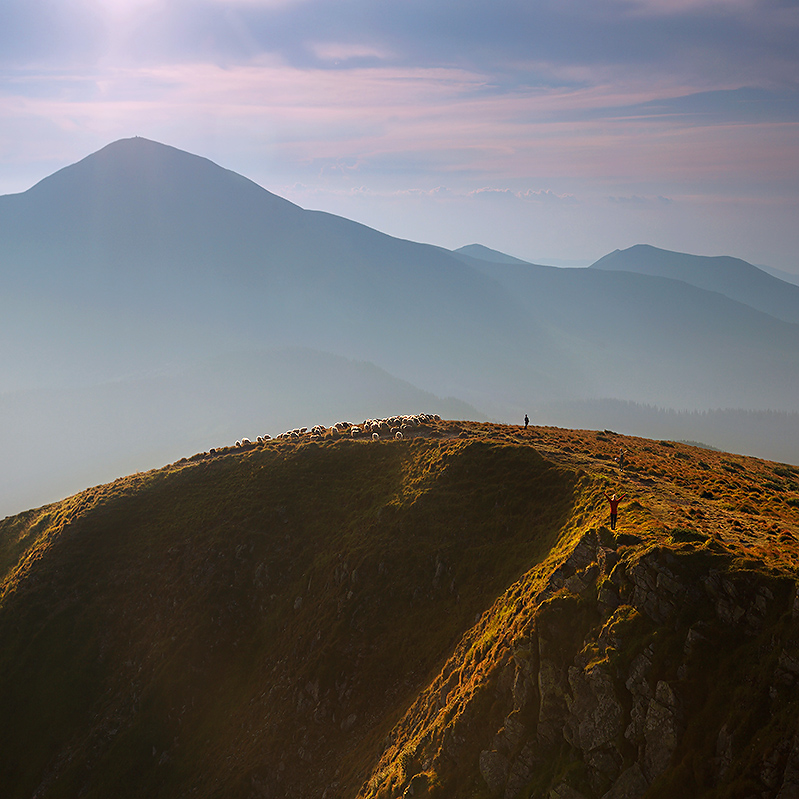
x=614, y=508
x=526, y=421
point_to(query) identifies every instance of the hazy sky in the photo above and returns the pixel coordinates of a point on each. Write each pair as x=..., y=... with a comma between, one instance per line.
x=554, y=129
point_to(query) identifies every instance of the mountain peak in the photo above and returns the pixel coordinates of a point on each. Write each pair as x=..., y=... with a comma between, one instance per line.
x=147, y=165
x=724, y=274
x=483, y=253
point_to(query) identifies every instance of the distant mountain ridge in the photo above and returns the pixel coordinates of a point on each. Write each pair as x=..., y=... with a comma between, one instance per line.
x=487, y=254
x=732, y=277
x=786, y=277
x=662, y=340
x=142, y=230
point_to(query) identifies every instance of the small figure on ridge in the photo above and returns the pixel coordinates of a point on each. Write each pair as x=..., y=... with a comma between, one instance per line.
x=614, y=508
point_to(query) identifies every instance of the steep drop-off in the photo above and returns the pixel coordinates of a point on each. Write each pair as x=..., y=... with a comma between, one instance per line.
x=444, y=615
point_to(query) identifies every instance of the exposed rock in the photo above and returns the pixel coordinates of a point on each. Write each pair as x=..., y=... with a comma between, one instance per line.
x=723, y=759
x=494, y=770
x=595, y=714
x=552, y=693
x=595, y=672
x=512, y=733
x=577, y=583
x=608, y=597
x=522, y=770
x=693, y=638
x=564, y=791
x=631, y=784
x=771, y=772
x=789, y=665
x=606, y=559
x=790, y=780
x=661, y=730
x=638, y=686
x=522, y=686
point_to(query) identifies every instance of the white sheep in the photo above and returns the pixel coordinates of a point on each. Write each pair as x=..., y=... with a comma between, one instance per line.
x=375, y=436
x=398, y=434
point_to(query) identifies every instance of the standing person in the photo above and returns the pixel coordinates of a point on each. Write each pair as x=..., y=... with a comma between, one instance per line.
x=526, y=421
x=614, y=508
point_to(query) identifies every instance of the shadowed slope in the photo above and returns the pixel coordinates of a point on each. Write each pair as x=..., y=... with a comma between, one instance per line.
x=94, y=434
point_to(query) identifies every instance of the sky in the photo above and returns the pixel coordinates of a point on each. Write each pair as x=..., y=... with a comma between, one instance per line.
x=552, y=130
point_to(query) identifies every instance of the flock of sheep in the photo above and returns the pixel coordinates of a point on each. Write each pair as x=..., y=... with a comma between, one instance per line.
x=391, y=427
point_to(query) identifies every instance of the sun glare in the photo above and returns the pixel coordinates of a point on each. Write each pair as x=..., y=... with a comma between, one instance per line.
x=123, y=8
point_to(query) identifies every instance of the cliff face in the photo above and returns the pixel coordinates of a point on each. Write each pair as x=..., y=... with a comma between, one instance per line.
x=444, y=615
x=627, y=672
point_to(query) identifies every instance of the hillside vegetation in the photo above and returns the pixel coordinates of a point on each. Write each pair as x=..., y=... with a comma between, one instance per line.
x=444, y=615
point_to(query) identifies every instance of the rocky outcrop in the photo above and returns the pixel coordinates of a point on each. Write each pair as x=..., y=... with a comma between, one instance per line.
x=631, y=668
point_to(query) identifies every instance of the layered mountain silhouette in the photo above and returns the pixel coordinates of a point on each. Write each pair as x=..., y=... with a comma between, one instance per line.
x=142, y=263
x=201, y=259
x=483, y=253
x=658, y=340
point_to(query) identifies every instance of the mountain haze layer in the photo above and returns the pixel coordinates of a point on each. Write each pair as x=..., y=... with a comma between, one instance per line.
x=126, y=274
x=144, y=232
x=64, y=439
x=657, y=340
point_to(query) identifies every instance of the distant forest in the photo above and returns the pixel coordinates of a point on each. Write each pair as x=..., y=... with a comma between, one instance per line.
x=765, y=434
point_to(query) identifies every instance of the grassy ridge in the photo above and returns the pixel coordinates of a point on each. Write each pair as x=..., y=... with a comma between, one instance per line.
x=340, y=616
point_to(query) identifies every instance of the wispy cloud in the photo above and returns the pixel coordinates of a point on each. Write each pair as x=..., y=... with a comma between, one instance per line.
x=635, y=201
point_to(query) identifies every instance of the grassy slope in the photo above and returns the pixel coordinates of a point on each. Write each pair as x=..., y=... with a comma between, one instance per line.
x=183, y=617
x=258, y=622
